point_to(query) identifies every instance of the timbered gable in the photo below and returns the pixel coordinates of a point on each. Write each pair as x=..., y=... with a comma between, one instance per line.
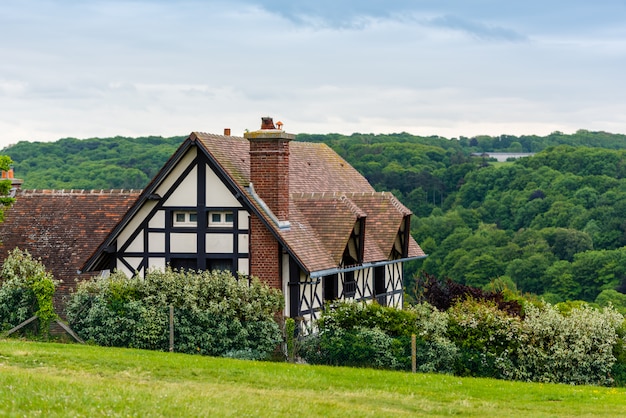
x=190, y=219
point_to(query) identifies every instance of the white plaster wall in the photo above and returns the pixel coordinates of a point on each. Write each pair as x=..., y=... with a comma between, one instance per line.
x=158, y=220
x=219, y=243
x=366, y=282
x=185, y=193
x=243, y=244
x=156, y=242
x=183, y=243
x=285, y=281
x=137, y=245
x=134, y=223
x=176, y=172
x=217, y=194
x=243, y=266
x=244, y=219
x=156, y=263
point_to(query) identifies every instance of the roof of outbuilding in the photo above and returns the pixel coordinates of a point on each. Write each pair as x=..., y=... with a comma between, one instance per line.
x=62, y=227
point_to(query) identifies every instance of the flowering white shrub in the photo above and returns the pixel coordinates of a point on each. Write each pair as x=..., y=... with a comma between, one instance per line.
x=435, y=352
x=576, y=348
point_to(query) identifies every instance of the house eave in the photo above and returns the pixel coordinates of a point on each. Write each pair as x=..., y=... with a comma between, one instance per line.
x=328, y=272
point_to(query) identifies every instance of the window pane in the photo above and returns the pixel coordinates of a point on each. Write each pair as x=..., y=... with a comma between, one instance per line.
x=229, y=217
x=193, y=217
x=216, y=217
x=180, y=217
x=219, y=264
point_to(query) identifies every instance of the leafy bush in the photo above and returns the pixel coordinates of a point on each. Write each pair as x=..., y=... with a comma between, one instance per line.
x=356, y=347
x=583, y=345
x=487, y=338
x=214, y=314
x=347, y=315
x=435, y=352
x=575, y=348
x=370, y=335
x=26, y=290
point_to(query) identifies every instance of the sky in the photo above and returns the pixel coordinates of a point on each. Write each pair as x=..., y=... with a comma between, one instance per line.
x=101, y=68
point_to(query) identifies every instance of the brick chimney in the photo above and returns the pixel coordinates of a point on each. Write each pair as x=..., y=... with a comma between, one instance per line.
x=269, y=166
x=16, y=184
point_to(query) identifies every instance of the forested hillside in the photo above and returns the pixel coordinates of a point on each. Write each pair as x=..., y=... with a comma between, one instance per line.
x=96, y=163
x=552, y=224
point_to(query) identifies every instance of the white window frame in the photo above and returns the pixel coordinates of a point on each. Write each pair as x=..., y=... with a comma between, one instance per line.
x=187, y=214
x=223, y=223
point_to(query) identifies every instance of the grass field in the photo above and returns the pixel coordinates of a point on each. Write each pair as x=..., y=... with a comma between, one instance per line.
x=48, y=379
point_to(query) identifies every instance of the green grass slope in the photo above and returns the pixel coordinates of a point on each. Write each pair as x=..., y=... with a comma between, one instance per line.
x=48, y=379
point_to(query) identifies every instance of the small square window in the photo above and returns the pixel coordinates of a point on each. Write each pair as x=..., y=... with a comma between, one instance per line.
x=185, y=218
x=220, y=219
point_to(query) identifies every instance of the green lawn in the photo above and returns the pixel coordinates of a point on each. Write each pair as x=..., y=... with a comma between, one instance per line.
x=49, y=379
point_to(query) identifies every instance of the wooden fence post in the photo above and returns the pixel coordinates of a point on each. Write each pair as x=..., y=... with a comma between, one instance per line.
x=171, y=328
x=413, y=354
x=23, y=324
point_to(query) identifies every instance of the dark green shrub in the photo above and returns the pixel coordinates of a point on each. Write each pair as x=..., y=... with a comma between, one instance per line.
x=356, y=347
x=618, y=372
x=369, y=335
x=347, y=315
x=214, y=314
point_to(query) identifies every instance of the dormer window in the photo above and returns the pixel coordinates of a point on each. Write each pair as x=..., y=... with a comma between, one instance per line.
x=185, y=218
x=220, y=219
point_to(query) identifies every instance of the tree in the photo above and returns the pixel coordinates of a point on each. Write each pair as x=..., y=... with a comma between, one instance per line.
x=5, y=185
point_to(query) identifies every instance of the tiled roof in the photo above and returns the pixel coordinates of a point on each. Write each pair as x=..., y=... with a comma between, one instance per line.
x=327, y=197
x=62, y=227
x=313, y=167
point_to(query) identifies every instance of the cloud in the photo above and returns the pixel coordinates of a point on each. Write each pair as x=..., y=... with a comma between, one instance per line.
x=100, y=68
x=479, y=30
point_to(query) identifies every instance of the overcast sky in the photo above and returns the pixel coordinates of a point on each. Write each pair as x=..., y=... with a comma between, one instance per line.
x=96, y=68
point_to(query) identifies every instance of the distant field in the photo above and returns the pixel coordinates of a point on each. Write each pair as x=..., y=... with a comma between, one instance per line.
x=47, y=379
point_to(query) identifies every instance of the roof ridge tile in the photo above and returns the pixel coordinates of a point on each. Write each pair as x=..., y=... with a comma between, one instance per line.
x=77, y=192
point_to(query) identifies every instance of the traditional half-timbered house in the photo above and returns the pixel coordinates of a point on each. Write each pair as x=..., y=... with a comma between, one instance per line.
x=294, y=214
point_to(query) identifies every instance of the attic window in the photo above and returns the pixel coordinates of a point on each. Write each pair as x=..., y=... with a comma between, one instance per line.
x=220, y=219
x=185, y=218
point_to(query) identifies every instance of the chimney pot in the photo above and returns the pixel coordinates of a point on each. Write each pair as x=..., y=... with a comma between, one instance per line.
x=226, y=131
x=267, y=123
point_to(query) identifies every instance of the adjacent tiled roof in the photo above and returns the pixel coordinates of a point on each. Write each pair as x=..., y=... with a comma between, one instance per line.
x=327, y=197
x=62, y=227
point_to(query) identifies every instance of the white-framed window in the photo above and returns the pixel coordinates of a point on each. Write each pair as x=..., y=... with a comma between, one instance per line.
x=185, y=218
x=220, y=218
